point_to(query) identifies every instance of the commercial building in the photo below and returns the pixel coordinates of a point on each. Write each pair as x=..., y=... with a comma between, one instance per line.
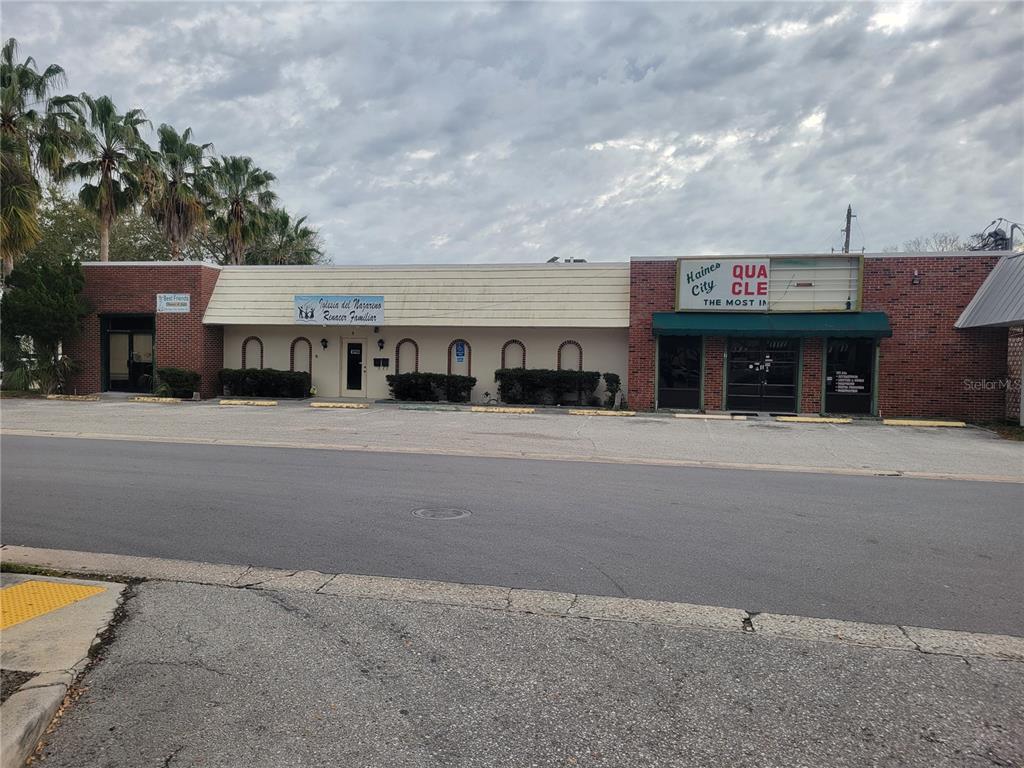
x=871, y=334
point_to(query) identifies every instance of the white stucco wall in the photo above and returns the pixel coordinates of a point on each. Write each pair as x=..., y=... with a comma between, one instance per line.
x=604, y=350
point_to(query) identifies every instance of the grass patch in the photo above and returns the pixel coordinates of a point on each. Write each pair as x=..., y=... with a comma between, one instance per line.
x=20, y=394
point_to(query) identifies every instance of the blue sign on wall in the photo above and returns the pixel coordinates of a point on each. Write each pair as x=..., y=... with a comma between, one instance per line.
x=315, y=309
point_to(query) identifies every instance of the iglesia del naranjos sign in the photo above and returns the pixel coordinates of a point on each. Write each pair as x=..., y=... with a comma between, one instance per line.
x=723, y=284
x=339, y=310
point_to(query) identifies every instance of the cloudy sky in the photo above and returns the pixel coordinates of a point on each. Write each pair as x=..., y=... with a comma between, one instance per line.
x=483, y=132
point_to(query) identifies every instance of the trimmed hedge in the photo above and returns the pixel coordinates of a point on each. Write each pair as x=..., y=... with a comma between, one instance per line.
x=542, y=385
x=431, y=387
x=179, y=381
x=265, y=382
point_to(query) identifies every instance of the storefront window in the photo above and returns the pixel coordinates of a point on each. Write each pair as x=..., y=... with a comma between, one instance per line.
x=849, y=369
x=679, y=360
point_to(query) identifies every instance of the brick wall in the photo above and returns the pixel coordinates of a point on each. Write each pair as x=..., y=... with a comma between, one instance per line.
x=652, y=288
x=181, y=339
x=1014, y=352
x=811, y=354
x=927, y=368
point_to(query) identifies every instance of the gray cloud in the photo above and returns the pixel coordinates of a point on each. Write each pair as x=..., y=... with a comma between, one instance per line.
x=477, y=132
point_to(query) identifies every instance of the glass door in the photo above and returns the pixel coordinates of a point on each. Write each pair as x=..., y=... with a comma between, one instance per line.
x=761, y=375
x=849, y=371
x=679, y=361
x=129, y=359
x=354, y=368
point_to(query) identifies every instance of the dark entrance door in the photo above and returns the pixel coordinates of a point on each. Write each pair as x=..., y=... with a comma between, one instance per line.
x=128, y=353
x=849, y=370
x=679, y=359
x=354, y=373
x=761, y=375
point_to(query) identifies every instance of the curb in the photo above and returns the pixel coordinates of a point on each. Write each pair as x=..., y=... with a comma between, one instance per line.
x=154, y=399
x=814, y=419
x=248, y=402
x=515, y=600
x=75, y=398
x=340, y=405
x=593, y=412
x=500, y=409
x=712, y=416
x=531, y=456
x=922, y=423
x=27, y=713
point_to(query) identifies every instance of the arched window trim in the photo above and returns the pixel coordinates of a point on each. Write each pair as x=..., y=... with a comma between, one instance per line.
x=469, y=356
x=291, y=353
x=570, y=343
x=245, y=344
x=416, y=353
x=504, y=349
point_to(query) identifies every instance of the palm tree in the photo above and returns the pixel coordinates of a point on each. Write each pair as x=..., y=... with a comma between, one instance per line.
x=178, y=187
x=37, y=132
x=113, y=154
x=243, y=202
x=286, y=241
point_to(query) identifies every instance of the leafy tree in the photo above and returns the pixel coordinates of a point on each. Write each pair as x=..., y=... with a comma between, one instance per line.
x=38, y=131
x=114, y=156
x=242, y=202
x=180, y=187
x=44, y=303
x=69, y=229
x=286, y=241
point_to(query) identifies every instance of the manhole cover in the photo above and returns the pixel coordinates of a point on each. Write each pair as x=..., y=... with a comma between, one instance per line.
x=440, y=513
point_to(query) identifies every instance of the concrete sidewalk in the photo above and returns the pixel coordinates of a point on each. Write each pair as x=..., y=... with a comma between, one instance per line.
x=255, y=667
x=49, y=628
x=860, y=447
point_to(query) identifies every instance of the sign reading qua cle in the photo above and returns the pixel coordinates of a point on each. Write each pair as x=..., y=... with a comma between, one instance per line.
x=339, y=310
x=729, y=285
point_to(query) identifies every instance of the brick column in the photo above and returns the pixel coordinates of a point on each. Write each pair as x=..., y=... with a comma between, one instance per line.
x=651, y=289
x=810, y=379
x=714, y=365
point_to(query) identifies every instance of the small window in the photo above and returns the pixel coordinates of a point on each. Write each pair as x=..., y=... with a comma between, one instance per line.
x=570, y=356
x=252, y=352
x=460, y=358
x=513, y=354
x=302, y=355
x=407, y=356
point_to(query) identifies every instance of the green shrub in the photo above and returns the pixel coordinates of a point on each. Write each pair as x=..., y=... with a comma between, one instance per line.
x=542, y=385
x=431, y=387
x=265, y=382
x=179, y=381
x=612, y=385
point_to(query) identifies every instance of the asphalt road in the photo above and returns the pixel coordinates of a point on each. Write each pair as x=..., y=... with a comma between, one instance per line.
x=920, y=552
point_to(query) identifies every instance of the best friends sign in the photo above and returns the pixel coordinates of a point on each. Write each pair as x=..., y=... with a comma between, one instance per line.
x=339, y=310
x=731, y=285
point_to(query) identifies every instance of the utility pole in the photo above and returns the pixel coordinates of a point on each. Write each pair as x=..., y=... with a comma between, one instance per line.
x=849, y=221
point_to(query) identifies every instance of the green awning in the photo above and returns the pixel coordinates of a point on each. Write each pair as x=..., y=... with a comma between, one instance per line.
x=787, y=324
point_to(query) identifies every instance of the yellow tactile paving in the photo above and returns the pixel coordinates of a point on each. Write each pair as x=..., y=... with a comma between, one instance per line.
x=29, y=599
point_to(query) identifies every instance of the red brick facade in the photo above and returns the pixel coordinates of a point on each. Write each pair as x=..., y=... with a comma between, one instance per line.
x=1014, y=361
x=182, y=341
x=927, y=369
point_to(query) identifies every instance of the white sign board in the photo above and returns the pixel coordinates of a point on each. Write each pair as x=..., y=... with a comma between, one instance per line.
x=339, y=310
x=174, y=302
x=726, y=285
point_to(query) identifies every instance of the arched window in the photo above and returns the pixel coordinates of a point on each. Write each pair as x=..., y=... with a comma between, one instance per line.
x=252, y=352
x=460, y=364
x=407, y=356
x=570, y=356
x=513, y=354
x=301, y=359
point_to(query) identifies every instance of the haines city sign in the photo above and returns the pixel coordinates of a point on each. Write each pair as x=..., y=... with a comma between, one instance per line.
x=811, y=283
x=339, y=310
x=733, y=285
